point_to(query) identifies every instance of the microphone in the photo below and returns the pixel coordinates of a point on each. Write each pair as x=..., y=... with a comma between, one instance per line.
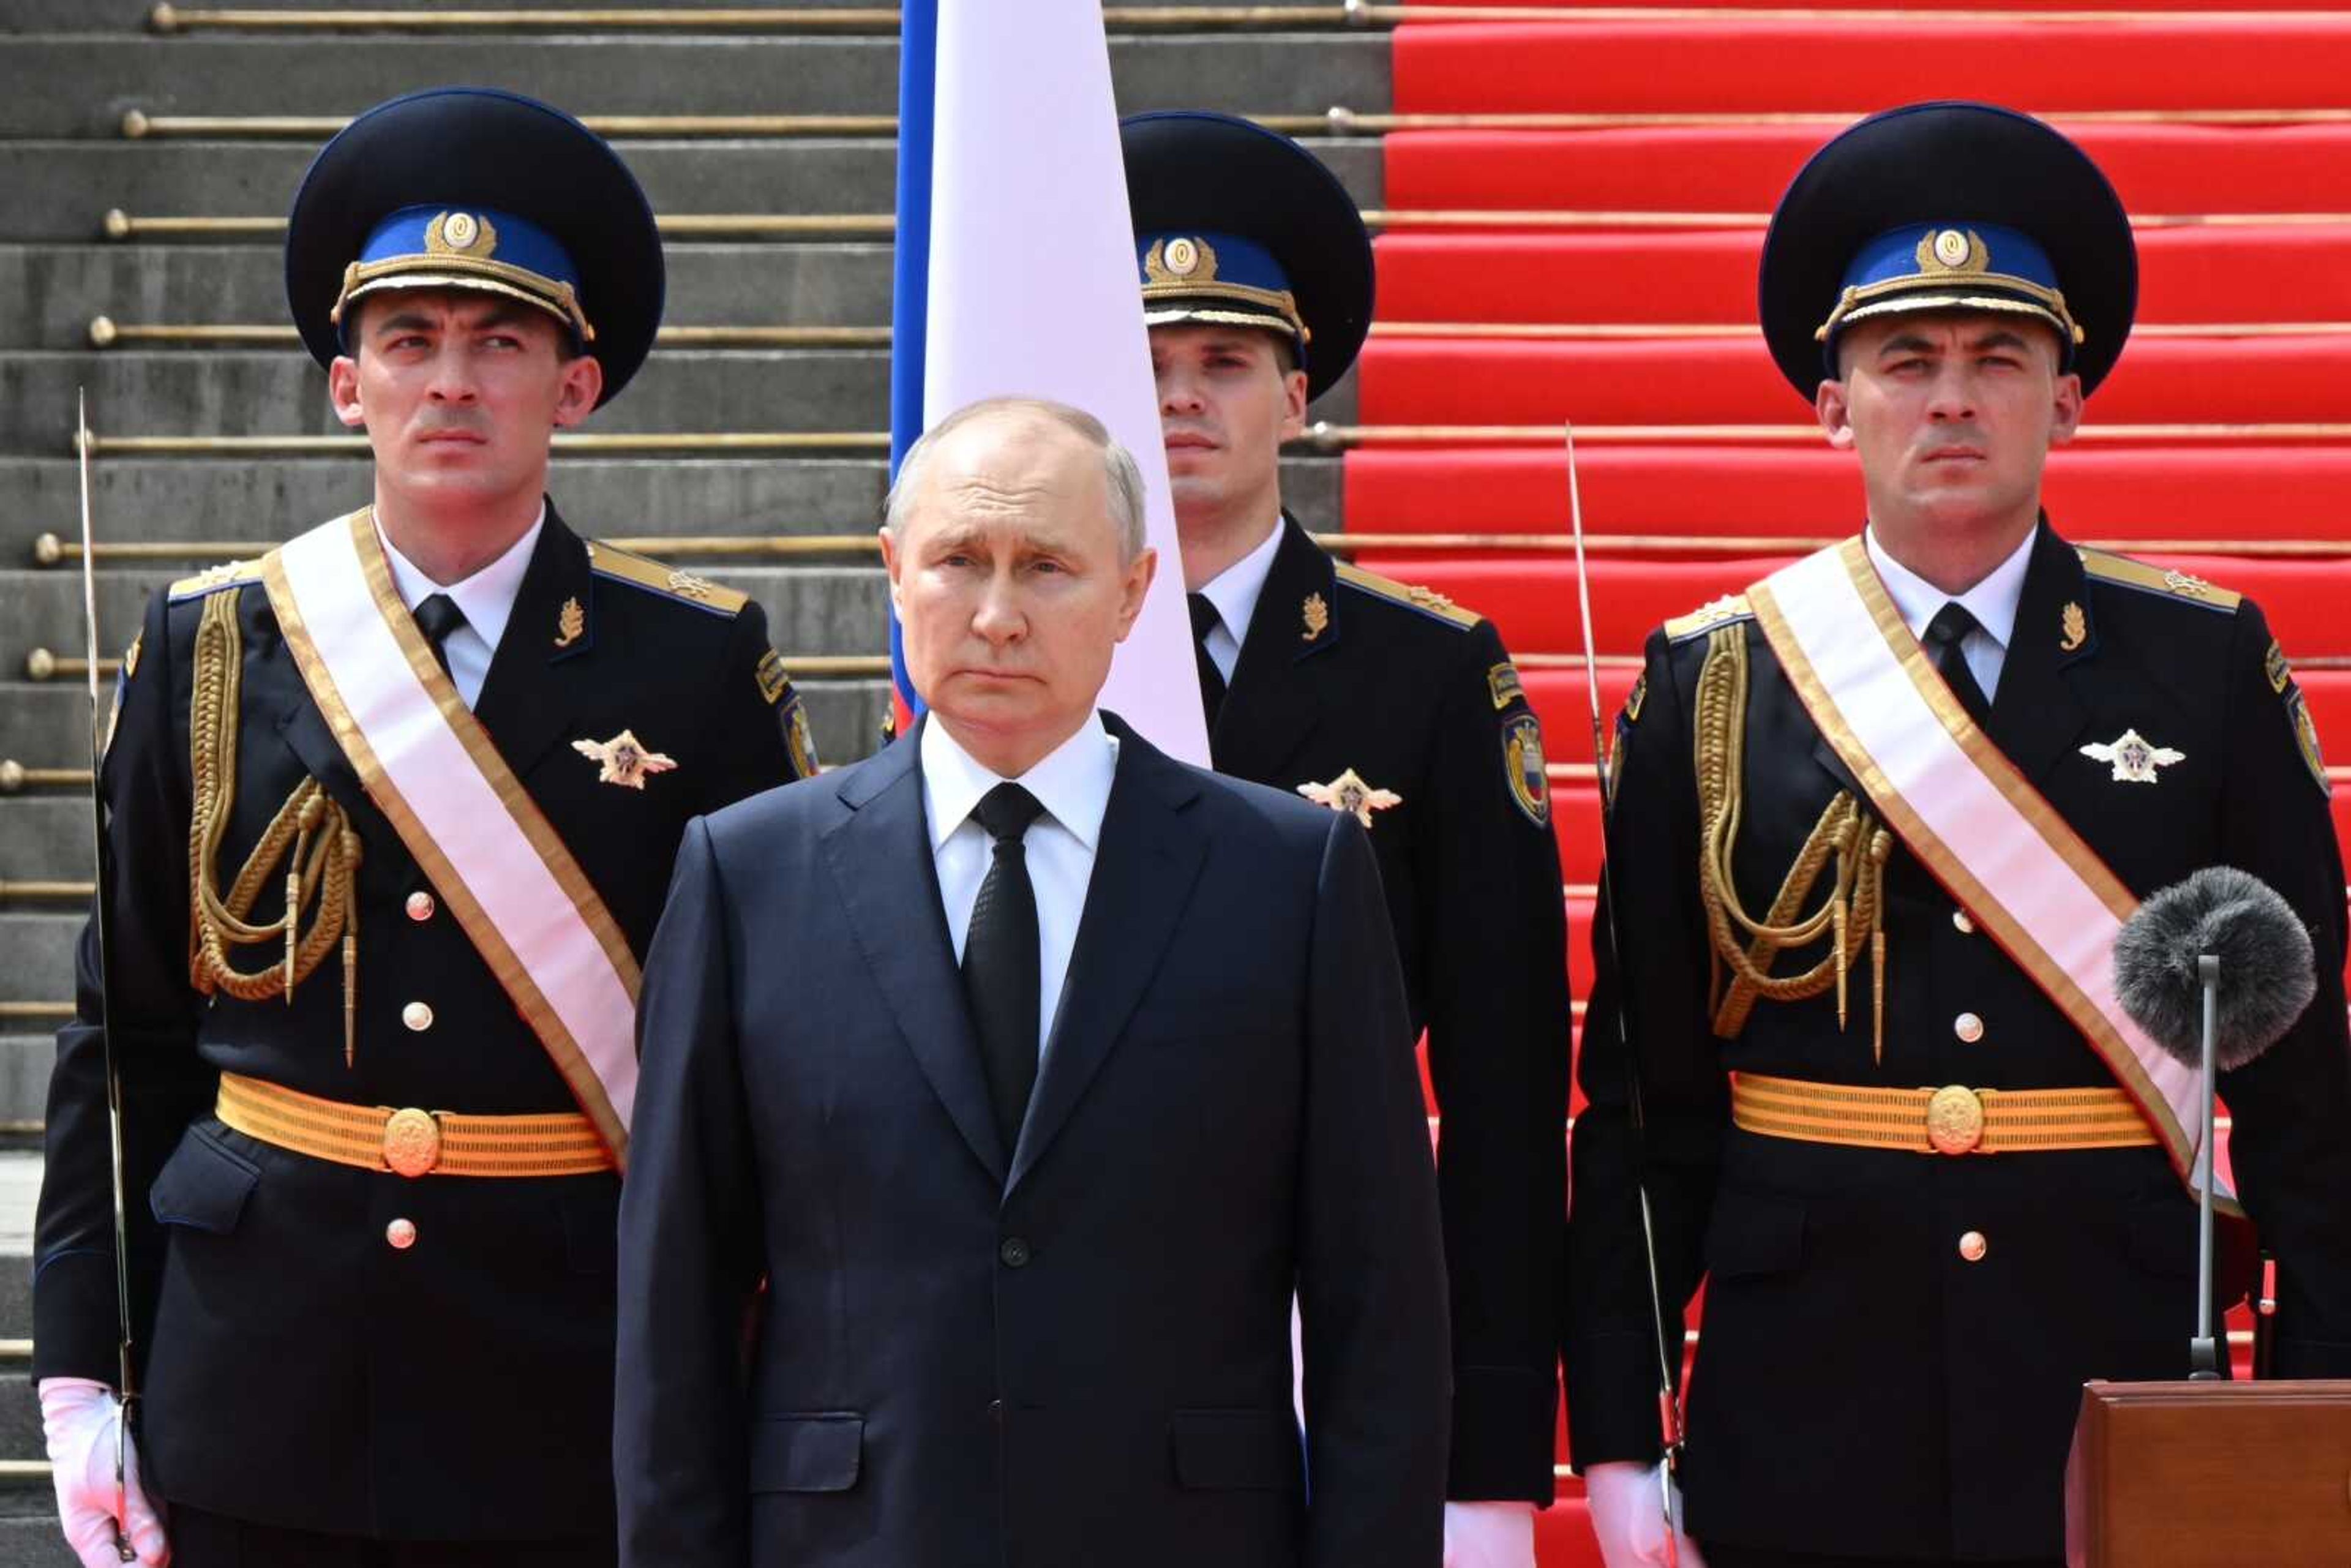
x=2215, y=968
x=2267, y=973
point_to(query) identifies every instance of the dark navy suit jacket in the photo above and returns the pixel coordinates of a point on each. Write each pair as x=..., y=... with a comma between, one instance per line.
x=1075, y=1350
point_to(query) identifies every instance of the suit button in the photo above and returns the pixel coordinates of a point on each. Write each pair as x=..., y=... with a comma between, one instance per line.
x=401, y=1235
x=1961, y=924
x=419, y=906
x=1972, y=1246
x=417, y=1017
x=1969, y=1028
x=1014, y=1253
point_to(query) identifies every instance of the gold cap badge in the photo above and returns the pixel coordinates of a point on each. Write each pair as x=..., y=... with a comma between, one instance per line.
x=460, y=234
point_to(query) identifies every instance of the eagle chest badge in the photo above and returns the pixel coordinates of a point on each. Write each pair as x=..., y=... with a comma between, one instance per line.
x=1350, y=793
x=2135, y=759
x=624, y=759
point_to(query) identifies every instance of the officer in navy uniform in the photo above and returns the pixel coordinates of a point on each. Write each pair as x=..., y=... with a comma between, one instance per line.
x=371, y=1221
x=1387, y=701
x=1895, y=1340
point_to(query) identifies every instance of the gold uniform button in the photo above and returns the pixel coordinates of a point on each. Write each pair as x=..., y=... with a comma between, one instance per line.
x=419, y=906
x=417, y=1016
x=1972, y=1246
x=401, y=1235
x=1969, y=1028
x=1959, y=921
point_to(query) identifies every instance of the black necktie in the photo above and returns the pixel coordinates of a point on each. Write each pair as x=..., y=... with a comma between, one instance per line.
x=436, y=617
x=1945, y=632
x=1000, y=959
x=1212, y=680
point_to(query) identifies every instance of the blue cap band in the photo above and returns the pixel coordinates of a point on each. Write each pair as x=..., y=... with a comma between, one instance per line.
x=1951, y=267
x=478, y=248
x=1206, y=275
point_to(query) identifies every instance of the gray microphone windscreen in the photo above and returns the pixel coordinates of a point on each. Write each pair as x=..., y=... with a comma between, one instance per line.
x=2267, y=976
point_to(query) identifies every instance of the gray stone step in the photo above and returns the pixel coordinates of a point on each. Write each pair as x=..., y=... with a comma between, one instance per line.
x=175, y=498
x=24, y=1062
x=80, y=86
x=810, y=610
x=133, y=15
x=269, y=392
x=43, y=838
x=64, y=190
x=46, y=725
x=37, y=955
x=49, y=293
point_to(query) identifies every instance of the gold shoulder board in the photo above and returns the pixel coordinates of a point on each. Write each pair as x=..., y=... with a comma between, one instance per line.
x=2186, y=587
x=1707, y=617
x=213, y=578
x=683, y=586
x=1411, y=595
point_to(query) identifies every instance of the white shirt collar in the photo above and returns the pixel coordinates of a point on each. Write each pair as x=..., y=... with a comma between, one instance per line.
x=1993, y=601
x=1071, y=782
x=1234, y=591
x=487, y=598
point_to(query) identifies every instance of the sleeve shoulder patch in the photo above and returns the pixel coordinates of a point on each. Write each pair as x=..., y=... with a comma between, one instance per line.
x=684, y=587
x=2305, y=735
x=1502, y=685
x=1523, y=769
x=1707, y=617
x=1410, y=595
x=213, y=578
x=2166, y=583
x=2275, y=668
x=774, y=680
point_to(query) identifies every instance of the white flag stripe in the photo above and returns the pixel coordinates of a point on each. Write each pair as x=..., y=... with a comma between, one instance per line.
x=1033, y=286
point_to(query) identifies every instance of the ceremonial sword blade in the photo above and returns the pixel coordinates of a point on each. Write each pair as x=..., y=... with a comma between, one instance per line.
x=1669, y=1420
x=100, y=907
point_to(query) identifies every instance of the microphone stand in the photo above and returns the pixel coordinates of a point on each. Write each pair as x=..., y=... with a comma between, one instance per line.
x=2204, y=1350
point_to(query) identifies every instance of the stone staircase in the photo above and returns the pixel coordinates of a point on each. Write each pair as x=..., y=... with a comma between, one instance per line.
x=94, y=148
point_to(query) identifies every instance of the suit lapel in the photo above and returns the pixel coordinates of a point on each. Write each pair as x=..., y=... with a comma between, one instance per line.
x=526, y=701
x=880, y=857
x=2037, y=714
x=1271, y=707
x=1148, y=857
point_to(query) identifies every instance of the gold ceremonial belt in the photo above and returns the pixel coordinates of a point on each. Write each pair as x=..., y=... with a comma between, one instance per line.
x=409, y=1142
x=1953, y=1120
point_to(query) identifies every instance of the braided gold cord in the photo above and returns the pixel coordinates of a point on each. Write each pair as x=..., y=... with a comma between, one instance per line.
x=1851, y=915
x=309, y=837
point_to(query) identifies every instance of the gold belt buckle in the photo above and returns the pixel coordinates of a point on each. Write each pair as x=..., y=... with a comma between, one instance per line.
x=1955, y=1119
x=412, y=1141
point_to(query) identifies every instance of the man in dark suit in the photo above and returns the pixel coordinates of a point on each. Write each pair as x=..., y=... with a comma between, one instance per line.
x=1387, y=701
x=1859, y=809
x=393, y=813
x=1031, y=1072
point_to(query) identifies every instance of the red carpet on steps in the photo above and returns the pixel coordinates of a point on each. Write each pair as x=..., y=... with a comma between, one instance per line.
x=2184, y=275
x=2202, y=62
x=2157, y=169
x=1733, y=381
x=1807, y=490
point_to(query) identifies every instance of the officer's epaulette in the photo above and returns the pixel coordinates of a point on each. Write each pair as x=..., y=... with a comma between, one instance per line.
x=2186, y=587
x=682, y=586
x=1411, y=595
x=1707, y=617
x=213, y=578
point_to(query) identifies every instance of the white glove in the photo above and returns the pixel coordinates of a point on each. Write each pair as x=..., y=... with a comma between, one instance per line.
x=1628, y=1519
x=1489, y=1535
x=80, y=1420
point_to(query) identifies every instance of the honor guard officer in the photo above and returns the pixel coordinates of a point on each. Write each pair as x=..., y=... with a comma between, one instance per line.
x=393, y=809
x=1888, y=1111
x=1388, y=702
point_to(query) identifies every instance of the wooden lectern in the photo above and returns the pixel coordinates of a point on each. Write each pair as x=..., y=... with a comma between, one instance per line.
x=2210, y=1474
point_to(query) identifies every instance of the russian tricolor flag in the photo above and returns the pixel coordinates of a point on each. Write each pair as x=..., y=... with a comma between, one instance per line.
x=1016, y=275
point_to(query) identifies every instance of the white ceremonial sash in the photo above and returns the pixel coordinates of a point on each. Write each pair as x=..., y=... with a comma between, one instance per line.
x=430, y=766
x=2023, y=874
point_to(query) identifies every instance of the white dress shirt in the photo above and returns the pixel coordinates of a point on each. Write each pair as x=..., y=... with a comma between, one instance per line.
x=1073, y=783
x=487, y=598
x=1993, y=603
x=1234, y=591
